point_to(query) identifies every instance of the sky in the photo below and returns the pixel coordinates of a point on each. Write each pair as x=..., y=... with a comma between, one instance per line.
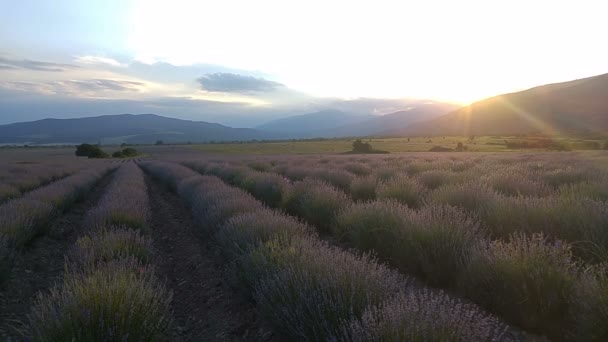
x=245, y=62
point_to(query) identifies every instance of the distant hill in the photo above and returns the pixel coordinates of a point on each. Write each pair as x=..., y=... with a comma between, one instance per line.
x=398, y=120
x=312, y=123
x=335, y=123
x=579, y=106
x=110, y=129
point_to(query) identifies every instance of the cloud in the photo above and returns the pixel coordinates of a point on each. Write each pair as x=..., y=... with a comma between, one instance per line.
x=86, y=87
x=98, y=60
x=7, y=63
x=234, y=83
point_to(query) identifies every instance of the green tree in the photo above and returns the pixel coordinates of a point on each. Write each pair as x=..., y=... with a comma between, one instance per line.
x=360, y=146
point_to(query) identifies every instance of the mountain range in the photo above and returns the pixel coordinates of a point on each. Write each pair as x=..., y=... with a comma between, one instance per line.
x=579, y=106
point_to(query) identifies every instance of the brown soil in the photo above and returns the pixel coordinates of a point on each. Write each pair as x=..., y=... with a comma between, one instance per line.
x=206, y=307
x=39, y=266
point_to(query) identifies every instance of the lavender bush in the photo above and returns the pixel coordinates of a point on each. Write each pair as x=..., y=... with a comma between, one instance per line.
x=403, y=189
x=308, y=289
x=363, y=188
x=591, y=305
x=245, y=232
x=435, y=242
x=118, y=301
x=423, y=315
x=109, y=244
x=529, y=280
x=316, y=202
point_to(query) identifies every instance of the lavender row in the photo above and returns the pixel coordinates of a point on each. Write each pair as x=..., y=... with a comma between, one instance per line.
x=125, y=202
x=23, y=218
x=533, y=196
x=109, y=291
x=311, y=290
x=531, y=280
x=550, y=199
x=17, y=179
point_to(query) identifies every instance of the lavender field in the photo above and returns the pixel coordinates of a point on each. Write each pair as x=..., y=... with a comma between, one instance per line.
x=184, y=246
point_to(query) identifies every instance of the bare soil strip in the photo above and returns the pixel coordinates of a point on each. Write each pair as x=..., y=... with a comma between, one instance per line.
x=40, y=265
x=205, y=305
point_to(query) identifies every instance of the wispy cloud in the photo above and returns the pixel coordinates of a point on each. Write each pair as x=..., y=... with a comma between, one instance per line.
x=74, y=87
x=27, y=64
x=235, y=83
x=99, y=60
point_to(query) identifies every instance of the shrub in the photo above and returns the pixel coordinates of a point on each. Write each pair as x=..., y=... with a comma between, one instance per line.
x=244, y=232
x=296, y=173
x=471, y=196
x=22, y=219
x=529, y=280
x=423, y=315
x=435, y=242
x=316, y=202
x=6, y=259
x=591, y=303
x=108, y=244
x=117, y=302
x=433, y=179
x=212, y=207
x=260, y=166
x=510, y=183
x=118, y=154
x=597, y=190
x=272, y=189
x=562, y=176
x=573, y=220
x=308, y=281
x=339, y=178
x=357, y=169
x=384, y=174
x=8, y=191
x=403, y=189
x=363, y=188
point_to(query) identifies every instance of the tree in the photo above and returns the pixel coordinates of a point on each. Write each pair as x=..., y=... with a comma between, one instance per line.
x=159, y=142
x=117, y=154
x=459, y=146
x=84, y=150
x=360, y=146
x=91, y=151
x=129, y=152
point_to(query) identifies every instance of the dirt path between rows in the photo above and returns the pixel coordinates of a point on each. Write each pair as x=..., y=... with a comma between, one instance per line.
x=205, y=305
x=40, y=265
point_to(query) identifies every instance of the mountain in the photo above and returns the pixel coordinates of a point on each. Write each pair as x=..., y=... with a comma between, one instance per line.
x=308, y=125
x=397, y=120
x=112, y=129
x=579, y=106
x=335, y=123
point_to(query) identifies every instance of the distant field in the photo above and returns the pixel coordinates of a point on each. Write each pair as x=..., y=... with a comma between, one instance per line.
x=393, y=145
